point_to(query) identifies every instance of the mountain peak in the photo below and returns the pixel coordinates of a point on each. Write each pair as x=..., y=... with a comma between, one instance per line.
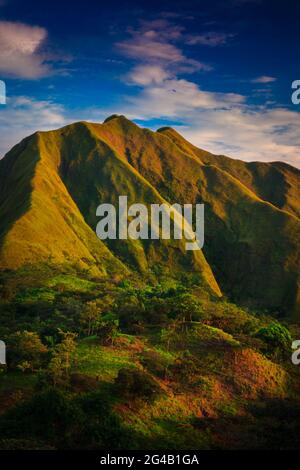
x=165, y=128
x=114, y=116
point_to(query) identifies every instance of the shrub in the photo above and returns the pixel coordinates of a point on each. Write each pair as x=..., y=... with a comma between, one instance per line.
x=102, y=426
x=49, y=415
x=26, y=348
x=155, y=362
x=276, y=337
x=185, y=368
x=134, y=383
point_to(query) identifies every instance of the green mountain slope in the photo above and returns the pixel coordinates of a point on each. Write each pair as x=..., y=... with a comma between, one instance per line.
x=65, y=175
x=274, y=182
x=252, y=229
x=39, y=220
x=252, y=245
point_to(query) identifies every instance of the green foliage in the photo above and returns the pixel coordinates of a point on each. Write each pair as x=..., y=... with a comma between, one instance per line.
x=107, y=329
x=276, y=337
x=26, y=351
x=134, y=383
x=102, y=427
x=155, y=362
x=55, y=417
x=61, y=360
x=49, y=415
x=89, y=317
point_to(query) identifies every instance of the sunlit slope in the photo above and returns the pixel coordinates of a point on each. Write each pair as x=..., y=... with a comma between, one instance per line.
x=275, y=182
x=53, y=182
x=67, y=173
x=95, y=173
x=252, y=246
x=39, y=220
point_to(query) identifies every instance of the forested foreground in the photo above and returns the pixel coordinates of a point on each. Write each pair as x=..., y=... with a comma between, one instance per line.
x=94, y=364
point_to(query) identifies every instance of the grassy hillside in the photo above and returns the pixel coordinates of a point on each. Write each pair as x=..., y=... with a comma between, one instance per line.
x=252, y=232
x=251, y=244
x=39, y=219
x=74, y=172
x=275, y=182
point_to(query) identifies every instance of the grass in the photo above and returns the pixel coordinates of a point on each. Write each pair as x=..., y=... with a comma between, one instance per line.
x=100, y=361
x=16, y=380
x=71, y=283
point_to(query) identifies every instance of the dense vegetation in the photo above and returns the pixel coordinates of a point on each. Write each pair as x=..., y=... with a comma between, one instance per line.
x=110, y=363
x=140, y=343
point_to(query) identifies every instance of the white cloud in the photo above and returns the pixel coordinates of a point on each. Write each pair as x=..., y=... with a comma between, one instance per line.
x=248, y=133
x=21, y=51
x=23, y=116
x=264, y=79
x=147, y=74
x=175, y=97
x=223, y=123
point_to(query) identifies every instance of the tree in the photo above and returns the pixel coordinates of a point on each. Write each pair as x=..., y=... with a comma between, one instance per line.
x=61, y=360
x=95, y=314
x=276, y=337
x=89, y=317
x=26, y=351
x=48, y=415
x=107, y=328
x=170, y=334
x=187, y=307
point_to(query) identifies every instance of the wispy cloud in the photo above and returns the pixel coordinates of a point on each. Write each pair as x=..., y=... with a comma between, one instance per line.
x=174, y=98
x=264, y=79
x=211, y=39
x=23, y=116
x=249, y=133
x=156, y=43
x=147, y=74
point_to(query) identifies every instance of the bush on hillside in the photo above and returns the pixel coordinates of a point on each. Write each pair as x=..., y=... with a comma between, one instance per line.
x=134, y=383
x=276, y=337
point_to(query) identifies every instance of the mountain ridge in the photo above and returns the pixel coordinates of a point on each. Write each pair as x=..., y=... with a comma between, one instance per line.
x=85, y=164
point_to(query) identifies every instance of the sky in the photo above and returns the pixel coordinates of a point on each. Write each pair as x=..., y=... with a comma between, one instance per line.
x=219, y=72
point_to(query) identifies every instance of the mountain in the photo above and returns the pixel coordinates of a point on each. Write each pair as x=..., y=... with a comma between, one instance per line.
x=52, y=182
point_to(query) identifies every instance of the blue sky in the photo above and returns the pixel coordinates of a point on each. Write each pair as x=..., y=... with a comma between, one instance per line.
x=220, y=72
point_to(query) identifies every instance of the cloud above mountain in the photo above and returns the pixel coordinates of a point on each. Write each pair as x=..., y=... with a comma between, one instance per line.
x=23, y=52
x=177, y=66
x=220, y=122
x=20, y=52
x=23, y=116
